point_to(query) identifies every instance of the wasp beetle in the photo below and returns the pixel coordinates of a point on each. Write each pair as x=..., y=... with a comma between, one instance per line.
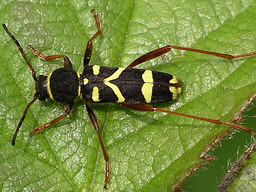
x=136, y=89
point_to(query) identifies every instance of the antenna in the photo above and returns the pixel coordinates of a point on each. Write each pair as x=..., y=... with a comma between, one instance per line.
x=33, y=75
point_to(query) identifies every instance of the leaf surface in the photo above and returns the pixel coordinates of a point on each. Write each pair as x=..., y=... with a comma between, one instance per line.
x=148, y=151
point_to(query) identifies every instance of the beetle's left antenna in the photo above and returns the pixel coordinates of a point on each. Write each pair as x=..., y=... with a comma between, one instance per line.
x=34, y=77
x=21, y=51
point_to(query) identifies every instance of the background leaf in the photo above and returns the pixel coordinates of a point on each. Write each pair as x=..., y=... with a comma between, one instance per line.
x=241, y=176
x=246, y=180
x=227, y=152
x=148, y=151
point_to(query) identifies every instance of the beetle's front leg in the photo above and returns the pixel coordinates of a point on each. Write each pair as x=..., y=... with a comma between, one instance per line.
x=67, y=62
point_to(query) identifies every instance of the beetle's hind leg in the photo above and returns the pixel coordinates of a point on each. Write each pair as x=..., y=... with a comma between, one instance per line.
x=96, y=126
x=160, y=51
x=141, y=107
x=67, y=62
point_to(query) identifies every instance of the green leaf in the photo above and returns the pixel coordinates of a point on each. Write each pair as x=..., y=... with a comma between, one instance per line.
x=215, y=174
x=148, y=151
x=241, y=176
x=246, y=180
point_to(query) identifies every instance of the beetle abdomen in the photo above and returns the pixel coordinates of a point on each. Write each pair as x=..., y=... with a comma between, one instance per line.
x=125, y=85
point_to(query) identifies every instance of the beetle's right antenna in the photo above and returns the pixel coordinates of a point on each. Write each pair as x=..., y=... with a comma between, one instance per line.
x=21, y=51
x=34, y=77
x=22, y=118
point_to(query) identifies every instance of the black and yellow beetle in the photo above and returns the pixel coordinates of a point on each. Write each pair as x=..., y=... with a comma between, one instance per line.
x=132, y=88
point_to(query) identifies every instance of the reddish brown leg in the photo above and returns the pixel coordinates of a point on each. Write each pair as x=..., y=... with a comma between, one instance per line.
x=203, y=155
x=67, y=62
x=46, y=125
x=96, y=127
x=140, y=107
x=88, y=51
x=163, y=50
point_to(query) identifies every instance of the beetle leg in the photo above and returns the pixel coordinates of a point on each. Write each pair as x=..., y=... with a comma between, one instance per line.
x=95, y=124
x=223, y=55
x=155, y=53
x=150, y=55
x=88, y=51
x=141, y=107
x=46, y=125
x=67, y=62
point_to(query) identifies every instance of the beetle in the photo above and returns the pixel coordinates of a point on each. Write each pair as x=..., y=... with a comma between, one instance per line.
x=136, y=89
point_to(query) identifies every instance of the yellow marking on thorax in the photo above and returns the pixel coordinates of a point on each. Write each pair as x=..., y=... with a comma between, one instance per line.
x=79, y=86
x=116, y=90
x=95, y=94
x=147, y=87
x=48, y=86
x=96, y=69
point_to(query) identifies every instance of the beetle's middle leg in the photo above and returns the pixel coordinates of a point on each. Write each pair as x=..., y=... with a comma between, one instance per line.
x=88, y=51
